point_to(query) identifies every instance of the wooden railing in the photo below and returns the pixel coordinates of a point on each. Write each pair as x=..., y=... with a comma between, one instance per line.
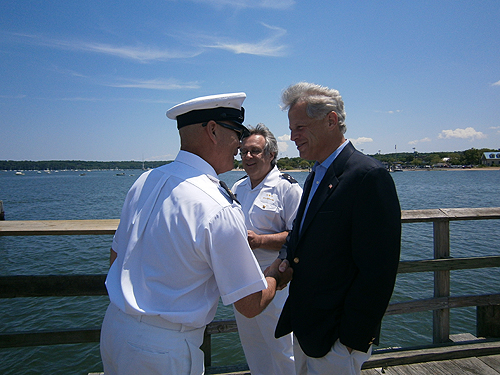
x=488, y=305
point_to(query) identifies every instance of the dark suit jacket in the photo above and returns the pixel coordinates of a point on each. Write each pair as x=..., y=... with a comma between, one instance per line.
x=345, y=258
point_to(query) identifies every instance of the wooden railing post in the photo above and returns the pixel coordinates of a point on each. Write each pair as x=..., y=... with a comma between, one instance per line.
x=488, y=321
x=441, y=317
x=206, y=347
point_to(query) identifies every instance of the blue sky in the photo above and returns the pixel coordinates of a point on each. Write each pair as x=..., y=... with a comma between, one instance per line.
x=92, y=80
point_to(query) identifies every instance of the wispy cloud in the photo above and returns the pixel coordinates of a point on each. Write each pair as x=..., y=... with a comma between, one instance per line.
x=155, y=84
x=360, y=140
x=271, y=4
x=390, y=112
x=82, y=99
x=20, y=96
x=419, y=141
x=467, y=133
x=496, y=84
x=266, y=47
x=137, y=53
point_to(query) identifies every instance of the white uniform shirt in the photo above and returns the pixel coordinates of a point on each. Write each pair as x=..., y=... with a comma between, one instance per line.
x=269, y=208
x=181, y=244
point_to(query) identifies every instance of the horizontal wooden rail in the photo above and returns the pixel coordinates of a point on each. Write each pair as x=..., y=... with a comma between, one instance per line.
x=442, y=303
x=58, y=227
x=108, y=226
x=87, y=335
x=70, y=336
x=448, y=264
x=93, y=285
x=449, y=214
x=49, y=337
x=384, y=358
x=52, y=286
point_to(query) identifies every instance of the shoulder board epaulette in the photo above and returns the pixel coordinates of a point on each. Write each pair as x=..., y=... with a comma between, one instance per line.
x=289, y=178
x=242, y=178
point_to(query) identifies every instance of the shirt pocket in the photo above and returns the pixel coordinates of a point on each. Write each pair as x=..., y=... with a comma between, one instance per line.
x=265, y=214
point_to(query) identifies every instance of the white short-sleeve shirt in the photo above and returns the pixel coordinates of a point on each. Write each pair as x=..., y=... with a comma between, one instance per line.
x=181, y=245
x=270, y=207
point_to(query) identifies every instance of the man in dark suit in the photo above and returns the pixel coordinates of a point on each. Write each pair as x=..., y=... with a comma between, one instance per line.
x=345, y=243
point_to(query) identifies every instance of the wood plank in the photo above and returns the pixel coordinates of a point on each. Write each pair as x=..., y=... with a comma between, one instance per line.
x=58, y=227
x=452, y=214
x=441, y=317
x=484, y=213
x=222, y=326
x=228, y=370
x=437, y=368
x=463, y=337
x=422, y=216
x=455, y=367
x=448, y=264
x=52, y=285
x=108, y=226
x=488, y=321
x=471, y=366
x=415, y=369
x=468, y=366
x=444, y=352
x=442, y=303
x=54, y=337
x=374, y=371
x=493, y=361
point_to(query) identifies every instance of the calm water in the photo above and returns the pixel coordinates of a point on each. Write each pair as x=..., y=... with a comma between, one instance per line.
x=100, y=195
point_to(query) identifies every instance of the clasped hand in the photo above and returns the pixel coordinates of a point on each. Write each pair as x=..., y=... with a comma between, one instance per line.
x=281, y=271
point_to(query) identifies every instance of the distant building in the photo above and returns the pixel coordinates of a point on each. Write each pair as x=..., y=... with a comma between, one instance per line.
x=490, y=158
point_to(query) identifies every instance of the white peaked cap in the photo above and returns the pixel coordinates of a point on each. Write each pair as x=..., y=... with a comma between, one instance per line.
x=213, y=107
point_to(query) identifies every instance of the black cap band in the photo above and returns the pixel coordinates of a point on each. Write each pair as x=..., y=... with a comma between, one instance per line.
x=216, y=114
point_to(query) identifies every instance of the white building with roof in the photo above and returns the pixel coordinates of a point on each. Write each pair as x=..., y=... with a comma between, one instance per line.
x=490, y=158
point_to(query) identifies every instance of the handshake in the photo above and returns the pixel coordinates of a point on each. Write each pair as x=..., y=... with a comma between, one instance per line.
x=281, y=271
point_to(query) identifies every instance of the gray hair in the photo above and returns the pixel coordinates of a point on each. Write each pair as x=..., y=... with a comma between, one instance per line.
x=271, y=143
x=320, y=101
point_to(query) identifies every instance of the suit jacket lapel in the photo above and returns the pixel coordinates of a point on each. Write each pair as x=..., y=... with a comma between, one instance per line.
x=328, y=184
x=303, y=200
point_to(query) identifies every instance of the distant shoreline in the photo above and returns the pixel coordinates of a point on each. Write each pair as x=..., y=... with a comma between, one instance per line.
x=405, y=170
x=453, y=169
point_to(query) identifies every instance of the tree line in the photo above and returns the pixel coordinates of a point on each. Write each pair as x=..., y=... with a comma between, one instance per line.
x=409, y=159
x=414, y=159
x=53, y=165
x=470, y=157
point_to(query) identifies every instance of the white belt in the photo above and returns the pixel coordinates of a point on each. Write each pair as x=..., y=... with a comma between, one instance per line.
x=158, y=321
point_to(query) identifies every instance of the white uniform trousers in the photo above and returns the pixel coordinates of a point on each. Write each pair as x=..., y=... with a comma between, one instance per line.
x=338, y=361
x=130, y=346
x=265, y=354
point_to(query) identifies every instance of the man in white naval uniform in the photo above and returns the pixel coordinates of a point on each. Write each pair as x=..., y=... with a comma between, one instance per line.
x=269, y=199
x=180, y=245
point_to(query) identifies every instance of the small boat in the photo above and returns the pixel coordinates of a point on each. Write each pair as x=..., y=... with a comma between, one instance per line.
x=19, y=173
x=398, y=168
x=120, y=174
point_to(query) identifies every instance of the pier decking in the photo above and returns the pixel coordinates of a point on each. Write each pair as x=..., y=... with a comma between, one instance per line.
x=463, y=357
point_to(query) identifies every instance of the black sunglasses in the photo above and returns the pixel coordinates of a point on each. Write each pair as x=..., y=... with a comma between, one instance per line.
x=242, y=132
